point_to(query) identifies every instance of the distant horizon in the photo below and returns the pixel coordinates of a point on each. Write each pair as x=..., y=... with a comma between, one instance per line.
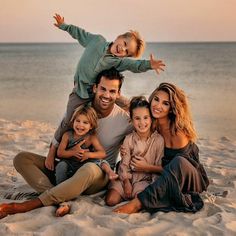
x=66, y=42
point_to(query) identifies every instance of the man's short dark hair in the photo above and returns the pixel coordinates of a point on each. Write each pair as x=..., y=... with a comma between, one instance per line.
x=111, y=74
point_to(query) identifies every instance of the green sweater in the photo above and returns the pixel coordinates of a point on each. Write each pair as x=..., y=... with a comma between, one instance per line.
x=96, y=58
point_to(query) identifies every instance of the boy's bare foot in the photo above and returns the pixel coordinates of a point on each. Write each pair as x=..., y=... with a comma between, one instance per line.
x=62, y=210
x=130, y=207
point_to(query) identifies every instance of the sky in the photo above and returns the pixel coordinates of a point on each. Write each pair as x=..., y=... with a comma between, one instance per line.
x=156, y=20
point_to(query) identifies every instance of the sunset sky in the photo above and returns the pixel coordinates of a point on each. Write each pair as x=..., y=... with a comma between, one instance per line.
x=166, y=20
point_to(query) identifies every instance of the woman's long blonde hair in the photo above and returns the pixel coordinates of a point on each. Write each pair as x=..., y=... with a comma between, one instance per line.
x=179, y=115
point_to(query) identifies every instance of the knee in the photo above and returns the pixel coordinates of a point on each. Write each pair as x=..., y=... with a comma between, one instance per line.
x=112, y=198
x=19, y=160
x=109, y=200
x=179, y=161
x=91, y=169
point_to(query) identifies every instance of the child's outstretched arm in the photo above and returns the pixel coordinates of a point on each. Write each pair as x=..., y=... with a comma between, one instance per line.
x=78, y=33
x=138, y=66
x=59, y=20
x=156, y=65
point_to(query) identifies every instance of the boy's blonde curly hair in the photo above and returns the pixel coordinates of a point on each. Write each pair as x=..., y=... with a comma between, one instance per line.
x=132, y=34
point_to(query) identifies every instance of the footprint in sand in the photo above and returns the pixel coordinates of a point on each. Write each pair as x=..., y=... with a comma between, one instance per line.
x=211, y=220
x=231, y=226
x=223, y=182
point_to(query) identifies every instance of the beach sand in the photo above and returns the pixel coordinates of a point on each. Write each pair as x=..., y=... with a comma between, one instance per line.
x=90, y=216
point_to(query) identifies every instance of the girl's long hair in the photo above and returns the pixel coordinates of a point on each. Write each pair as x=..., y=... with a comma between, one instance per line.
x=179, y=115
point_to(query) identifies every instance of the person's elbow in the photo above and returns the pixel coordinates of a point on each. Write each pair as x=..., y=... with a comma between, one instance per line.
x=59, y=153
x=103, y=154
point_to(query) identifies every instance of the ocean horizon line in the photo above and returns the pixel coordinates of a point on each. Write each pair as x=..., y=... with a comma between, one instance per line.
x=149, y=42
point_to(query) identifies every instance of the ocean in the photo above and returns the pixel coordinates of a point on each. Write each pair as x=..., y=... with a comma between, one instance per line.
x=36, y=79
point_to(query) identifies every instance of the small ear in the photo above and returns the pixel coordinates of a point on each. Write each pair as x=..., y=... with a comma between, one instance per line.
x=118, y=95
x=94, y=88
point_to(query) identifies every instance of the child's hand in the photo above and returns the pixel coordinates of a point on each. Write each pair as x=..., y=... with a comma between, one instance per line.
x=77, y=147
x=49, y=163
x=128, y=189
x=84, y=155
x=156, y=65
x=59, y=20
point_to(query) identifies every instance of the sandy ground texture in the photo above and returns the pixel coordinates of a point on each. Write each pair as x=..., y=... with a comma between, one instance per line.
x=90, y=216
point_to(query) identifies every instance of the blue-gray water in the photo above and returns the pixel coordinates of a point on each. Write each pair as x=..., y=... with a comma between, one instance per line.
x=36, y=79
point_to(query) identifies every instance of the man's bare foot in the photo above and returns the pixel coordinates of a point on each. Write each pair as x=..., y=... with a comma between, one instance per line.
x=131, y=207
x=62, y=210
x=13, y=208
x=5, y=209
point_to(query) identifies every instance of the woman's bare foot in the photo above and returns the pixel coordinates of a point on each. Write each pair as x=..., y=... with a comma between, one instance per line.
x=131, y=207
x=62, y=210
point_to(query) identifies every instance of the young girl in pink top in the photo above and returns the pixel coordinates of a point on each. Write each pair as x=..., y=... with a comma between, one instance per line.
x=143, y=144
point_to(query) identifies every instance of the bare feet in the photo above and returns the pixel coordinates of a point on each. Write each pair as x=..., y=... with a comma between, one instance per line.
x=112, y=175
x=5, y=209
x=62, y=210
x=13, y=208
x=131, y=207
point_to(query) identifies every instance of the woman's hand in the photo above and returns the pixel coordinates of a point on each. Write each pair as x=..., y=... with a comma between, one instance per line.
x=139, y=164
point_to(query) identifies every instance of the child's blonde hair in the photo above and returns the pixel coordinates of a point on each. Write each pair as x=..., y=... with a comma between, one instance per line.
x=132, y=34
x=89, y=112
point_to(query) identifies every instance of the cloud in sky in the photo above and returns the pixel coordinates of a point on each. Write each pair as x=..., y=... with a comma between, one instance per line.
x=169, y=20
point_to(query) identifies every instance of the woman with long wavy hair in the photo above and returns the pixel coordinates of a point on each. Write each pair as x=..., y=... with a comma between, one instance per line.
x=183, y=176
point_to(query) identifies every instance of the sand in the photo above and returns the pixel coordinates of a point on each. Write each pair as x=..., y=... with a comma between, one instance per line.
x=90, y=216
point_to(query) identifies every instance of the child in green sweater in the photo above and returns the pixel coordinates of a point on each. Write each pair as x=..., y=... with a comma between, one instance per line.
x=99, y=55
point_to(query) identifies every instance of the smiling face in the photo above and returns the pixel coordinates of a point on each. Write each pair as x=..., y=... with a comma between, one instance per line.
x=160, y=105
x=106, y=93
x=81, y=125
x=142, y=121
x=124, y=47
